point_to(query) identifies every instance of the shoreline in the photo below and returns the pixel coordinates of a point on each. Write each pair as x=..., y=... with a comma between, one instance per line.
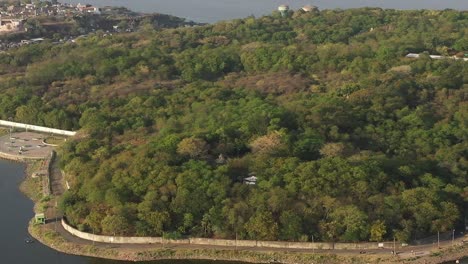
x=47, y=235
x=51, y=238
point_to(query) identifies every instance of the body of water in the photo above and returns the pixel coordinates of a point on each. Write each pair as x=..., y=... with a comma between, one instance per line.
x=216, y=10
x=16, y=211
x=461, y=261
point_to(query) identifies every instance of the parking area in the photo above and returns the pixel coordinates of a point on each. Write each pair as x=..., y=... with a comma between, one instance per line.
x=27, y=144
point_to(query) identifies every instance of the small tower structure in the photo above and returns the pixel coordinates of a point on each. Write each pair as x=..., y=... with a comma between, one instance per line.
x=40, y=218
x=283, y=9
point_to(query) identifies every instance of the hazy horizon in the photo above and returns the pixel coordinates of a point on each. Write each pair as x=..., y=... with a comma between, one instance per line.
x=215, y=10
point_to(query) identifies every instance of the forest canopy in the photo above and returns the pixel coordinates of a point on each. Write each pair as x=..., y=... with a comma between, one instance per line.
x=349, y=140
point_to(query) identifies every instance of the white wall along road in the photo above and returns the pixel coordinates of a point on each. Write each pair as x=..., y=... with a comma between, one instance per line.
x=37, y=128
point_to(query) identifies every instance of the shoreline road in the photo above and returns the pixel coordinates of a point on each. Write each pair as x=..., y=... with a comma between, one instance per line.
x=403, y=253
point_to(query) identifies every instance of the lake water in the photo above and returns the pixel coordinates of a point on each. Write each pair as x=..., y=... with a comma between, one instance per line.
x=16, y=211
x=215, y=10
x=462, y=261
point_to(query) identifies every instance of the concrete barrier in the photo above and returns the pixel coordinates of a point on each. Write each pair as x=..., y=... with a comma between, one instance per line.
x=38, y=128
x=217, y=242
x=47, y=144
x=246, y=243
x=212, y=242
x=273, y=244
x=17, y=157
x=356, y=246
x=111, y=239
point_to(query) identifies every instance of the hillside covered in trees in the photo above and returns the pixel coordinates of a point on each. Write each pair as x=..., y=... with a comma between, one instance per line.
x=349, y=140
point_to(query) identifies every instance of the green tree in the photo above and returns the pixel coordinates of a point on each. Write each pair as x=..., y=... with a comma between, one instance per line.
x=377, y=231
x=115, y=225
x=192, y=147
x=158, y=221
x=262, y=226
x=290, y=226
x=351, y=223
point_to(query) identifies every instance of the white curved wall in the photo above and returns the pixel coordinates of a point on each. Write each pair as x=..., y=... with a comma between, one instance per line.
x=110, y=239
x=37, y=128
x=220, y=242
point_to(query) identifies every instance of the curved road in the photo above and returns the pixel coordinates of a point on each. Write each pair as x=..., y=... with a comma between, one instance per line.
x=403, y=253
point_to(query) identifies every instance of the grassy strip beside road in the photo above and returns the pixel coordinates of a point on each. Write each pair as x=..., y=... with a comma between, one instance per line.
x=32, y=187
x=3, y=131
x=54, y=140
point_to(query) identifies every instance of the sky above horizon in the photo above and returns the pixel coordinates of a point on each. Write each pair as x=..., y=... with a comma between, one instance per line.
x=215, y=10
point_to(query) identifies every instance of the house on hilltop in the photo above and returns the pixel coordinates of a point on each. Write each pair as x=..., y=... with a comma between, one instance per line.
x=88, y=9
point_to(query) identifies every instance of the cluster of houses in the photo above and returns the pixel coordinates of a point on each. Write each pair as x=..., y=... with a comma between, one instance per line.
x=88, y=9
x=12, y=17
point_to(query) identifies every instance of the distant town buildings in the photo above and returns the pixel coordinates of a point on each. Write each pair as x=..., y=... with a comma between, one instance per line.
x=24, y=11
x=12, y=17
x=88, y=9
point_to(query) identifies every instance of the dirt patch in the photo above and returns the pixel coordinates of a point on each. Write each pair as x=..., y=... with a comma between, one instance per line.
x=271, y=83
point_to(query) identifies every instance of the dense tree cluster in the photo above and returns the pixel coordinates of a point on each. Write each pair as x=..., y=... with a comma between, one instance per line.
x=349, y=140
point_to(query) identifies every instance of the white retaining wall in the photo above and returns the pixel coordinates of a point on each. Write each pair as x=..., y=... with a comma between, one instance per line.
x=110, y=239
x=37, y=128
x=219, y=242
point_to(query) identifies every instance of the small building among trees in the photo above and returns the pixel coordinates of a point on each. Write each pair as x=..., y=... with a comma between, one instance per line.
x=251, y=180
